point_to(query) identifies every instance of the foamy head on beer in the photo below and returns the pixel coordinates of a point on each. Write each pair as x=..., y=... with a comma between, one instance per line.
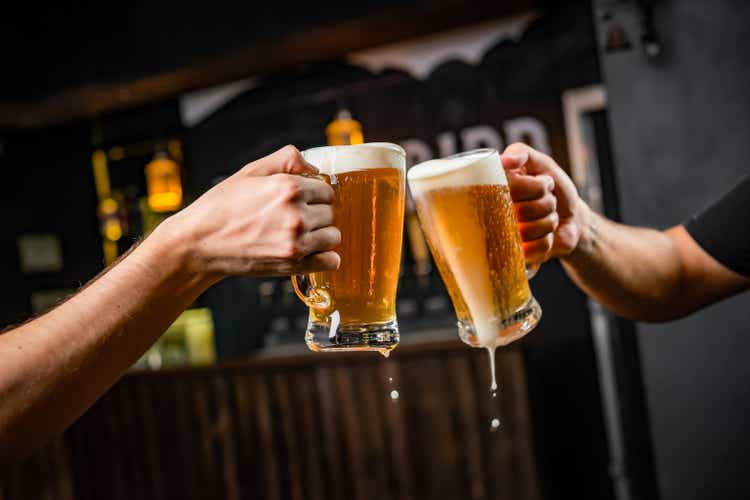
x=467, y=215
x=341, y=159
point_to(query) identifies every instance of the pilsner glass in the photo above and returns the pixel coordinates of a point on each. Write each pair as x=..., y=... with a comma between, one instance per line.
x=354, y=307
x=467, y=215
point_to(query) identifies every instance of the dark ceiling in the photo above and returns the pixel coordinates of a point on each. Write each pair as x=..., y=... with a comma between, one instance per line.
x=46, y=49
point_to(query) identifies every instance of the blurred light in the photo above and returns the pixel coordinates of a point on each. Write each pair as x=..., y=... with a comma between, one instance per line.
x=112, y=229
x=108, y=206
x=163, y=183
x=116, y=153
x=101, y=174
x=344, y=130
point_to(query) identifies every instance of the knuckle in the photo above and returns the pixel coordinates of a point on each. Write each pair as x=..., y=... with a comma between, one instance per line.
x=554, y=219
x=330, y=193
x=293, y=250
x=551, y=202
x=290, y=152
x=291, y=155
x=296, y=222
x=248, y=168
x=288, y=187
x=540, y=186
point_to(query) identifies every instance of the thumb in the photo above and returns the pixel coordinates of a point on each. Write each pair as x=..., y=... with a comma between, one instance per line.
x=287, y=160
x=515, y=157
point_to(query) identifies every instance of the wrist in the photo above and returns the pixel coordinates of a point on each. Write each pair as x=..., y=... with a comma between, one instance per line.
x=586, y=223
x=174, y=253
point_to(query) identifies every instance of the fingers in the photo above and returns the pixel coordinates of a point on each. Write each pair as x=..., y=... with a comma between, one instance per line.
x=287, y=160
x=322, y=261
x=317, y=216
x=539, y=228
x=528, y=211
x=319, y=240
x=521, y=156
x=515, y=156
x=313, y=190
x=527, y=187
x=537, y=251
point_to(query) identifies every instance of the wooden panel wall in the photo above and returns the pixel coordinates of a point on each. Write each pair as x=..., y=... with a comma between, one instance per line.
x=304, y=427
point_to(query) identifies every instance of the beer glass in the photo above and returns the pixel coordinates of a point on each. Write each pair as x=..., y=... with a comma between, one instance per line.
x=354, y=307
x=467, y=215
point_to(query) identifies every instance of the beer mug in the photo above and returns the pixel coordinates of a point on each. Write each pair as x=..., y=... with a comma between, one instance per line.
x=354, y=307
x=466, y=212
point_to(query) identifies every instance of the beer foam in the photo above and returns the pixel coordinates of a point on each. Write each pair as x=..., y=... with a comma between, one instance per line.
x=340, y=159
x=479, y=168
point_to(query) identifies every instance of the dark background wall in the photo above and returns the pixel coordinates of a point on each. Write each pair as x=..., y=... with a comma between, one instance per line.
x=47, y=187
x=681, y=132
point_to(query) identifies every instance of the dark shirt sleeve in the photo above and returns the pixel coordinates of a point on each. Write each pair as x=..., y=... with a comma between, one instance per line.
x=723, y=229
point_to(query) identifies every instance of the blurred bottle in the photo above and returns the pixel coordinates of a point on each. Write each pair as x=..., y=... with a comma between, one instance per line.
x=187, y=341
x=344, y=130
x=163, y=183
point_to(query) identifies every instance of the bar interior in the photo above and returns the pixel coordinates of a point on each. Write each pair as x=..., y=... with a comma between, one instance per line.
x=114, y=118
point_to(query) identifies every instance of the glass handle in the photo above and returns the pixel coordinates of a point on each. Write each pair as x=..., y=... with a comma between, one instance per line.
x=315, y=298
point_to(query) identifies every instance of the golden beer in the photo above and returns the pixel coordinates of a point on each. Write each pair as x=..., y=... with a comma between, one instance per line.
x=467, y=215
x=354, y=307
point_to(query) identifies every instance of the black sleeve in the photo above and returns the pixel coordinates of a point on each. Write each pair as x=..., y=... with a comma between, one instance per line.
x=723, y=229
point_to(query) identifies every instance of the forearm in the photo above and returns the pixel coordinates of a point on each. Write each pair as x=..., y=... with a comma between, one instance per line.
x=635, y=272
x=55, y=367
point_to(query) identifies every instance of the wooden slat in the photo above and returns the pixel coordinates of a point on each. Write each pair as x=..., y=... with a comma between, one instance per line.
x=224, y=432
x=249, y=451
x=144, y=407
x=289, y=433
x=395, y=421
x=271, y=480
x=465, y=393
x=430, y=428
x=349, y=429
x=334, y=462
x=521, y=434
x=308, y=422
x=371, y=395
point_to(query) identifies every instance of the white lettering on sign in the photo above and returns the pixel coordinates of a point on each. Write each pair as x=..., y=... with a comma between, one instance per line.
x=446, y=142
x=529, y=130
x=481, y=136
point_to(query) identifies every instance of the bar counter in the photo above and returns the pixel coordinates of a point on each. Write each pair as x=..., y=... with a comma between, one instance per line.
x=289, y=423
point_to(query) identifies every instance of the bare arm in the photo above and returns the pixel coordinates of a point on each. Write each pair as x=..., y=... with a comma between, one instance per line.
x=54, y=367
x=638, y=273
x=646, y=274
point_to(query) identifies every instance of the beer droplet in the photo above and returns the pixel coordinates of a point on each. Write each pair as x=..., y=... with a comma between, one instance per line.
x=494, y=394
x=491, y=352
x=494, y=424
x=390, y=380
x=394, y=395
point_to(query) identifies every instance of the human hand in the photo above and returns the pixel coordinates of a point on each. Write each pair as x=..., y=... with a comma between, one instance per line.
x=266, y=219
x=550, y=213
